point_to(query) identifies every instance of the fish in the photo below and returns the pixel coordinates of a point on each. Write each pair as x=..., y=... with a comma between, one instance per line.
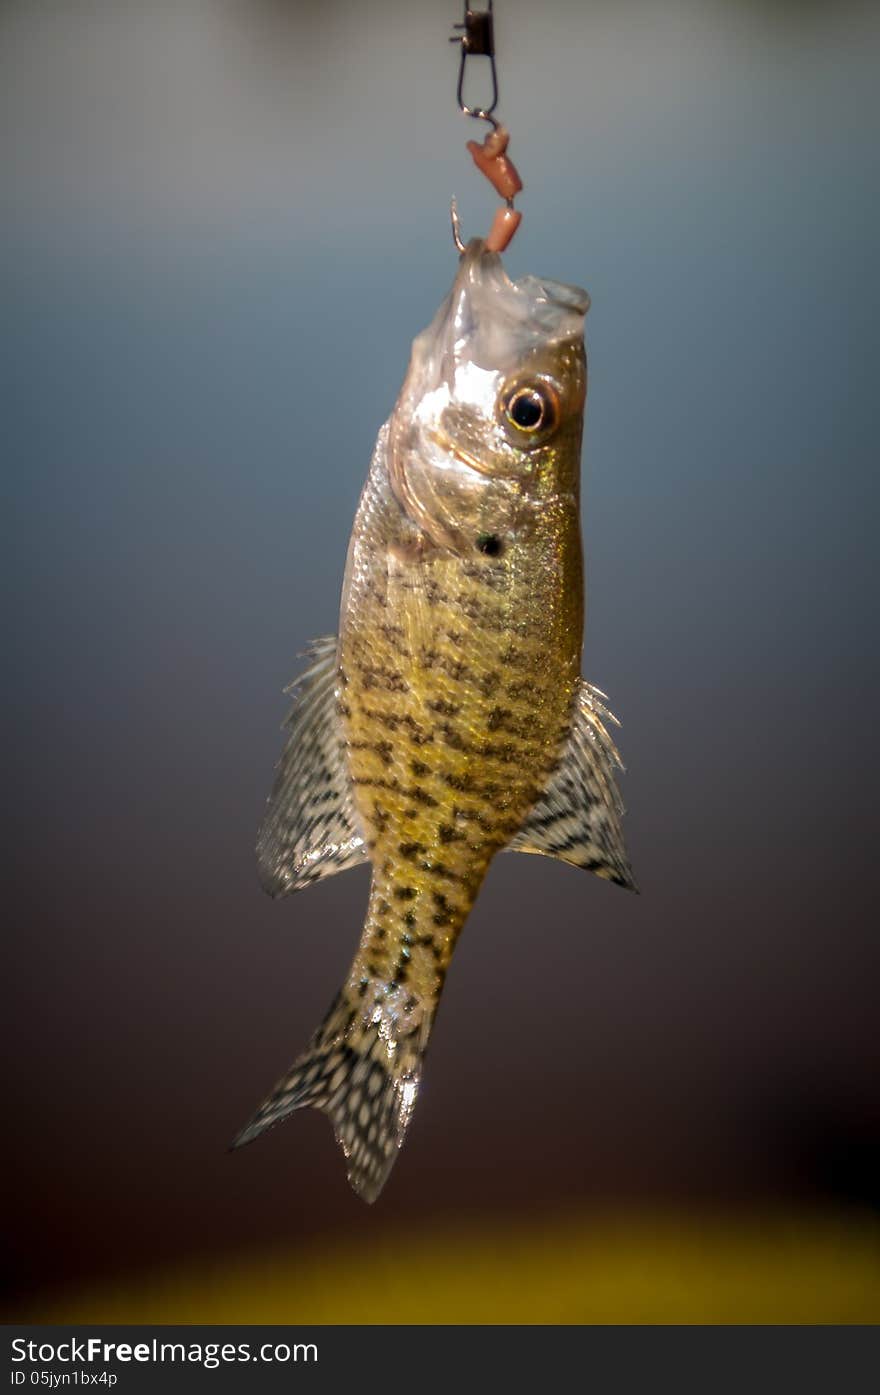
x=448, y=720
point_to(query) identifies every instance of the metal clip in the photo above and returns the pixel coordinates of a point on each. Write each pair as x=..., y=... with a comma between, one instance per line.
x=478, y=40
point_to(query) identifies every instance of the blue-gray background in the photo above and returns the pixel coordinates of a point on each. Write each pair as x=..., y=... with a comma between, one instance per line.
x=222, y=224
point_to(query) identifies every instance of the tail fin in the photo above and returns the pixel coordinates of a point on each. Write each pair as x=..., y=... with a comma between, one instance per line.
x=363, y=1080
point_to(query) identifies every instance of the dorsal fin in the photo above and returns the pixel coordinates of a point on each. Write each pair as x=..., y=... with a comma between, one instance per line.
x=309, y=830
x=577, y=818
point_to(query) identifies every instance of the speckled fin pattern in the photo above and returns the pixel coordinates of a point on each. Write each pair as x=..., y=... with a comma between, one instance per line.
x=310, y=829
x=366, y=1090
x=578, y=817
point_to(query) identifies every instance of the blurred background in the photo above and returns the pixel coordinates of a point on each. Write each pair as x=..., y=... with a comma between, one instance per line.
x=221, y=224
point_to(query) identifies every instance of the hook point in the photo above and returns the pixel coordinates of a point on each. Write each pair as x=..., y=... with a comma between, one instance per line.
x=456, y=226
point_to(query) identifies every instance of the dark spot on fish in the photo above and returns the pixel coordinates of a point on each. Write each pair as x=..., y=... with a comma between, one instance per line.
x=385, y=719
x=489, y=616
x=463, y=783
x=379, y=676
x=489, y=544
x=453, y=738
x=520, y=690
x=447, y=834
x=418, y=735
x=409, y=918
x=444, y=708
x=439, y=869
x=422, y=740
x=457, y=669
x=421, y=797
x=505, y=751
x=418, y=768
x=395, y=637
x=488, y=577
x=410, y=850
x=433, y=591
x=405, y=893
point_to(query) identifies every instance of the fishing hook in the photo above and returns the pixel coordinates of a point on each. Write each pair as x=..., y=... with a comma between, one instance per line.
x=490, y=158
x=461, y=246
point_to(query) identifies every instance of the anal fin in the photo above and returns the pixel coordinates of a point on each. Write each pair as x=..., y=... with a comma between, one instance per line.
x=309, y=829
x=578, y=817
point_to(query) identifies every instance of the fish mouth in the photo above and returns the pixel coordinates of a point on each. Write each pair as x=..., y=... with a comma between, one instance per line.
x=493, y=324
x=551, y=307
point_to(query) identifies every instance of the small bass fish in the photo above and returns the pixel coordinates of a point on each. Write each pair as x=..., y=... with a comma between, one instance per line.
x=449, y=719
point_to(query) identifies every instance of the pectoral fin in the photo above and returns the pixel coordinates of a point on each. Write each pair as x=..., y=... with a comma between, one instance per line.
x=309, y=830
x=577, y=818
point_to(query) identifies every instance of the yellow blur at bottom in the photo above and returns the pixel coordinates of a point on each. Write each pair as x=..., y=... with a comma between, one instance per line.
x=740, y=1269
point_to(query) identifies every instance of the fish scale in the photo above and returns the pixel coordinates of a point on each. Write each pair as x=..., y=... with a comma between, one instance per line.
x=453, y=718
x=449, y=720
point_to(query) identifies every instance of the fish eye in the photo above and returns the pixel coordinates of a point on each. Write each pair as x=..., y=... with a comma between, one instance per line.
x=531, y=408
